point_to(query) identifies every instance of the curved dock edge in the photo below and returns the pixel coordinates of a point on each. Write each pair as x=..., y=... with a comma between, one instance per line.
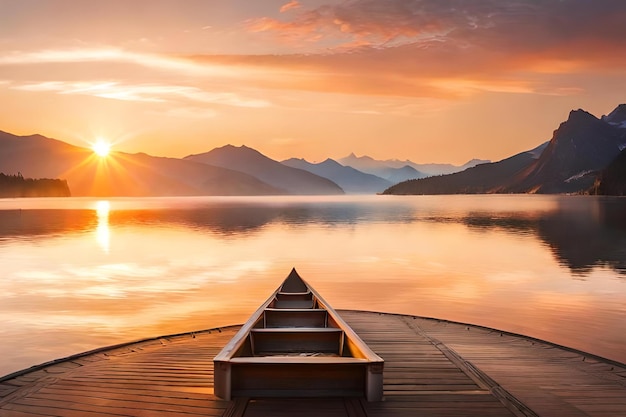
x=232, y=326
x=433, y=367
x=582, y=353
x=104, y=349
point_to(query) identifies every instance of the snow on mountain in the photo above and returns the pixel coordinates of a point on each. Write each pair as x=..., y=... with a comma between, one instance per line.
x=617, y=117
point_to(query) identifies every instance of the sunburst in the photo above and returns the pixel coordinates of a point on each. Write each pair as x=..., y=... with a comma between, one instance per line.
x=102, y=148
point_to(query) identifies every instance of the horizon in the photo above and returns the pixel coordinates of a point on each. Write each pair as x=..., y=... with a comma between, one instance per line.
x=315, y=79
x=96, y=148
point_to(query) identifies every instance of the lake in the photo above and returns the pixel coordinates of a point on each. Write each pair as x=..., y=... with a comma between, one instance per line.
x=81, y=273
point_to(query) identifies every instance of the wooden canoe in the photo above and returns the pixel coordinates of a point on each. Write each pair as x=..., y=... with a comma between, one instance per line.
x=296, y=345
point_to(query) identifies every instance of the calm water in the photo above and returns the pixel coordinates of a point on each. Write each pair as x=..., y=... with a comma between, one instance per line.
x=82, y=273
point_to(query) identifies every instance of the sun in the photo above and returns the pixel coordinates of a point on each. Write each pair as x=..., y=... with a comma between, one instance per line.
x=102, y=148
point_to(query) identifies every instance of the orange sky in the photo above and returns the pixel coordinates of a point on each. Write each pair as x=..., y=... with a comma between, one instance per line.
x=428, y=80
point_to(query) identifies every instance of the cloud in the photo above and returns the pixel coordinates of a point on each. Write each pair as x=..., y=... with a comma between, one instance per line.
x=566, y=29
x=396, y=48
x=108, y=89
x=382, y=21
x=447, y=49
x=293, y=4
x=371, y=22
x=447, y=72
x=102, y=55
x=144, y=92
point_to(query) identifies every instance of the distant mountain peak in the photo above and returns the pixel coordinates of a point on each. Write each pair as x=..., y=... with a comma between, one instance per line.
x=476, y=161
x=353, y=156
x=580, y=115
x=348, y=178
x=617, y=117
x=579, y=121
x=242, y=147
x=252, y=162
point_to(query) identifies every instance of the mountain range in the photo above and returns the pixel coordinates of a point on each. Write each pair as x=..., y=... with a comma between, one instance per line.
x=227, y=170
x=288, y=180
x=586, y=154
x=395, y=170
x=351, y=180
x=573, y=161
x=121, y=174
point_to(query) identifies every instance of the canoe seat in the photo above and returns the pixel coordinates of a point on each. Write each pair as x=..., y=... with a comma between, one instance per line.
x=293, y=304
x=293, y=359
x=294, y=296
x=295, y=317
x=303, y=341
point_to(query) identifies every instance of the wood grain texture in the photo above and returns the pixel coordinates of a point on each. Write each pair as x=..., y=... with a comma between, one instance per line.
x=432, y=367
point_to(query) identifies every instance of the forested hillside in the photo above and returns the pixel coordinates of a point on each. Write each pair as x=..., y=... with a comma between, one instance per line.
x=18, y=186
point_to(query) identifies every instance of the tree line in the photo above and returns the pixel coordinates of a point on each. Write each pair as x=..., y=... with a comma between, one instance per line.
x=14, y=186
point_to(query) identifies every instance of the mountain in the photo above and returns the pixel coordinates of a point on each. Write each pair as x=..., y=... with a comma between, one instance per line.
x=617, y=117
x=351, y=180
x=612, y=180
x=582, y=146
x=485, y=178
x=436, y=169
x=396, y=170
x=389, y=171
x=252, y=162
x=579, y=148
x=396, y=175
x=120, y=174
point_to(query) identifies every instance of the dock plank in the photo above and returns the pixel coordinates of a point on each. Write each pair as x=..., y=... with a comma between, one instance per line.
x=432, y=367
x=550, y=380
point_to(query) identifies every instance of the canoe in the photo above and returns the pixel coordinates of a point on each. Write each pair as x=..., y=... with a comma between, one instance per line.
x=296, y=345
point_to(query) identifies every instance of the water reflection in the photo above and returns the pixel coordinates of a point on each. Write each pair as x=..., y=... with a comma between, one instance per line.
x=30, y=224
x=103, y=234
x=582, y=241
x=580, y=232
x=78, y=274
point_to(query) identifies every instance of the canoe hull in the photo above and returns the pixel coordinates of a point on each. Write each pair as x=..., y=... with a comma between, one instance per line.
x=296, y=345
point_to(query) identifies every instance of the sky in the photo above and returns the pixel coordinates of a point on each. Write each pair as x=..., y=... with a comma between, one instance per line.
x=426, y=80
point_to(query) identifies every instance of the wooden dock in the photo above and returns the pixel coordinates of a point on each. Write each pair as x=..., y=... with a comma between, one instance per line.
x=432, y=368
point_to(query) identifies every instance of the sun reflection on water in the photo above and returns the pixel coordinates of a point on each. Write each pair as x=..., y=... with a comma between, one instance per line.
x=103, y=233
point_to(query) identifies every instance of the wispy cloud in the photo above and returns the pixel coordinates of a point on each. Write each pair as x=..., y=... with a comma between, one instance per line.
x=293, y=4
x=469, y=86
x=522, y=31
x=103, y=55
x=523, y=23
x=107, y=89
x=407, y=48
x=373, y=22
x=406, y=71
x=456, y=48
x=146, y=92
